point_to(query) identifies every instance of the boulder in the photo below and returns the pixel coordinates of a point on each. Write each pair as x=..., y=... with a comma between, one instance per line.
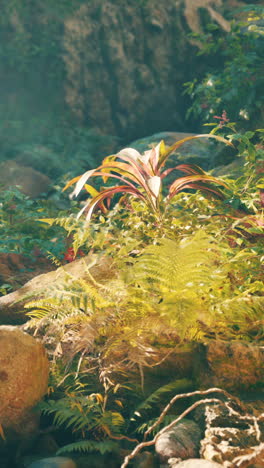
x=24, y=370
x=233, y=366
x=11, y=305
x=31, y=182
x=182, y=441
x=42, y=159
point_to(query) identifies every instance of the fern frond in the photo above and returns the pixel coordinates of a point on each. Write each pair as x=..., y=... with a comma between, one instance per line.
x=53, y=258
x=176, y=266
x=89, y=446
x=241, y=317
x=177, y=386
x=81, y=413
x=146, y=425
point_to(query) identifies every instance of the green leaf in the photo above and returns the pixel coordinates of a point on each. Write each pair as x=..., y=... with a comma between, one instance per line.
x=84, y=446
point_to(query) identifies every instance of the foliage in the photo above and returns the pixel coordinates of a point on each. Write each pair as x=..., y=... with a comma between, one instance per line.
x=50, y=144
x=89, y=446
x=35, y=126
x=20, y=227
x=142, y=177
x=107, y=333
x=231, y=405
x=150, y=286
x=85, y=414
x=235, y=81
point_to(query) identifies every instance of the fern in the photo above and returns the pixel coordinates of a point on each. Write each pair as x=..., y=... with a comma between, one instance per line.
x=240, y=317
x=89, y=446
x=146, y=425
x=83, y=413
x=177, y=266
x=178, y=385
x=74, y=227
x=68, y=412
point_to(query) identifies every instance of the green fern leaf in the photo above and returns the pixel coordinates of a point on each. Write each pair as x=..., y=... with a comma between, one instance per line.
x=176, y=266
x=89, y=446
x=177, y=386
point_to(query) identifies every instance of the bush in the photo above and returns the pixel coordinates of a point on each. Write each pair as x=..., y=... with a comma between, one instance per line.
x=235, y=82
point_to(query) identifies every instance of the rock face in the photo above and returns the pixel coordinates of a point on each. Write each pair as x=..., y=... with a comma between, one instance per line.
x=118, y=66
x=234, y=366
x=182, y=441
x=32, y=182
x=126, y=61
x=24, y=370
x=123, y=62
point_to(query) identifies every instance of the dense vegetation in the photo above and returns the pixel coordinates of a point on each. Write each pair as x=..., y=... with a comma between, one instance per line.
x=149, y=238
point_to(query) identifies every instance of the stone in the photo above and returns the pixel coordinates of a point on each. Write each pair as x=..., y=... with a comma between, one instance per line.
x=24, y=370
x=53, y=462
x=182, y=441
x=42, y=159
x=233, y=170
x=233, y=366
x=12, y=303
x=195, y=463
x=31, y=182
x=97, y=460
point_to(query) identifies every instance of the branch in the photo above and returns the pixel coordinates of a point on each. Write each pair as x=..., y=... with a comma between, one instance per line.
x=185, y=395
x=182, y=415
x=153, y=441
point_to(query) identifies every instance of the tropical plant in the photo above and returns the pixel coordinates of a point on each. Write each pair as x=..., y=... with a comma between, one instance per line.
x=234, y=81
x=142, y=177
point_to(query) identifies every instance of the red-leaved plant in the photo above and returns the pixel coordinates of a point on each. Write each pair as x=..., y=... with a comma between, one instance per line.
x=142, y=175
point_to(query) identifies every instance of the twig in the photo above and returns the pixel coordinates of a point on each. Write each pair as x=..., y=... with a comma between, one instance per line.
x=247, y=417
x=153, y=441
x=184, y=395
